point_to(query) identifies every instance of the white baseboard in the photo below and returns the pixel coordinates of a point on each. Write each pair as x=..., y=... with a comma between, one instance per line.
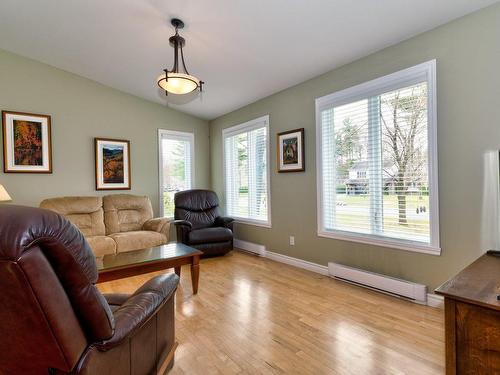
x=433, y=300
x=299, y=263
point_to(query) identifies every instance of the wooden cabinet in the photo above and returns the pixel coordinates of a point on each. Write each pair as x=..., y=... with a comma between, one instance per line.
x=472, y=318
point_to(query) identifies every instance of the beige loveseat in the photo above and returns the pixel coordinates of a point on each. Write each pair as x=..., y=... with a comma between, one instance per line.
x=113, y=223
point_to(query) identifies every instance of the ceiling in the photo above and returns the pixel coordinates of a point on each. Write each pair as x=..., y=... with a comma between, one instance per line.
x=243, y=50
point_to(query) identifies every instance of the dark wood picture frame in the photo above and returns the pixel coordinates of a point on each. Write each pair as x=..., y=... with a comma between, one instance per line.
x=7, y=167
x=127, y=177
x=301, y=166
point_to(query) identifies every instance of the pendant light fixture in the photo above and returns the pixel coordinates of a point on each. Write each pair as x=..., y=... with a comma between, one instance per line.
x=178, y=80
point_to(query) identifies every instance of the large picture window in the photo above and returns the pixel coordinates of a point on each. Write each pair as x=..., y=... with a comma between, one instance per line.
x=176, y=151
x=377, y=162
x=246, y=171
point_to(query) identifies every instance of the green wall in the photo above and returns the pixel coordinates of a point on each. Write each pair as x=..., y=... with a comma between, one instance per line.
x=468, y=60
x=82, y=109
x=468, y=79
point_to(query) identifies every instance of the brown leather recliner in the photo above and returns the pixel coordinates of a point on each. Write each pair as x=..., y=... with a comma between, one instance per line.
x=54, y=320
x=199, y=224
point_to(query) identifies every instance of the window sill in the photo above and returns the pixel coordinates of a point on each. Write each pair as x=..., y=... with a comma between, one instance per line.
x=383, y=242
x=252, y=222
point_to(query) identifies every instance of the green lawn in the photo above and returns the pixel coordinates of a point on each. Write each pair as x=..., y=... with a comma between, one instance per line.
x=352, y=209
x=168, y=203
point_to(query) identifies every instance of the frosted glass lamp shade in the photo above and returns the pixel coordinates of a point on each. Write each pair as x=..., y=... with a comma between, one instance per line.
x=178, y=83
x=4, y=196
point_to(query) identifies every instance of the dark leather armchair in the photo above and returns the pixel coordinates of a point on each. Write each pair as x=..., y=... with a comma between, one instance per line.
x=54, y=320
x=199, y=224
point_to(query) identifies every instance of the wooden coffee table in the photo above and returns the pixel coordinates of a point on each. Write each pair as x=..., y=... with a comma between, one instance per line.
x=132, y=263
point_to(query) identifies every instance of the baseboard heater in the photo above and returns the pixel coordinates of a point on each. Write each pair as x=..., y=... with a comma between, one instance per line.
x=381, y=283
x=250, y=246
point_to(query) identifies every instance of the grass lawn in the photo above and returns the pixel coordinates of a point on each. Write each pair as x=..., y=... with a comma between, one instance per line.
x=352, y=209
x=355, y=209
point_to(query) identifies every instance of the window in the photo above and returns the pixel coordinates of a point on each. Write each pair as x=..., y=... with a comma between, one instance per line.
x=246, y=171
x=377, y=162
x=361, y=174
x=176, y=151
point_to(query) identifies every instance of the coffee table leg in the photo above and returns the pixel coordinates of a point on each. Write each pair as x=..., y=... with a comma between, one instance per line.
x=195, y=273
x=177, y=271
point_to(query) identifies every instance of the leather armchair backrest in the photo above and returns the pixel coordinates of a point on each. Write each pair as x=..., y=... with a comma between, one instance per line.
x=85, y=212
x=200, y=207
x=126, y=212
x=48, y=296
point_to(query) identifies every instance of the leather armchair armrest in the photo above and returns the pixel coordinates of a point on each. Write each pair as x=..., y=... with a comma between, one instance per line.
x=226, y=222
x=159, y=224
x=183, y=229
x=116, y=299
x=139, y=308
x=184, y=223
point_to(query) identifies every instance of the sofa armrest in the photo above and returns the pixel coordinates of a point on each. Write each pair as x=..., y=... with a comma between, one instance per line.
x=223, y=221
x=136, y=311
x=116, y=299
x=159, y=224
x=184, y=223
x=183, y=229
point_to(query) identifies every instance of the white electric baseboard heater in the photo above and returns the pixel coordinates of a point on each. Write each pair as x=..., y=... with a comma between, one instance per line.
x=381, y=283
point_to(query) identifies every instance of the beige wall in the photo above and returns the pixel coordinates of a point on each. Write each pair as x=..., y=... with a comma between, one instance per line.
x=82, y=109
x=468, y=79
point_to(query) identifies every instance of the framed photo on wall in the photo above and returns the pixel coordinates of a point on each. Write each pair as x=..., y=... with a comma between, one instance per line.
x=112, y=164
x=291, y=155
x=26, y=143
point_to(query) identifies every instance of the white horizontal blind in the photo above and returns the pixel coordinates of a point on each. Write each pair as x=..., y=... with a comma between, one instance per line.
x=246, y=171
x=375, y=161
x=176, y=167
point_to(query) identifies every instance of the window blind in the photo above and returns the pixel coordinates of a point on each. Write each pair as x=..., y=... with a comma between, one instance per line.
x=176, y=167
x=246, y=171
x=375, y=164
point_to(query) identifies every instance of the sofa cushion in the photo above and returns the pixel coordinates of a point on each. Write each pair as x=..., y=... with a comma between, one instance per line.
x=207, y=235
x=101, y=245
x=85, y=212
x=135, y=240
x=126, y=212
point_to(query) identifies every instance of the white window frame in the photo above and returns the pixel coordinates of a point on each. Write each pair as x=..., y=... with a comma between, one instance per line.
x=407, y=77
x=177, y=135
x=242, y=128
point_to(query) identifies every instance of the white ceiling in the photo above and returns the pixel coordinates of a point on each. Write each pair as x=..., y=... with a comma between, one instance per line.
x=243, y=49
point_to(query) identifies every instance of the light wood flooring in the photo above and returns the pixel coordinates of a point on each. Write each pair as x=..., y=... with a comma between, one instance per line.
x=256, y=316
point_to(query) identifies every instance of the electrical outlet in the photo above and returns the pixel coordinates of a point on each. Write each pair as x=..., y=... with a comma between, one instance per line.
x=292, y=240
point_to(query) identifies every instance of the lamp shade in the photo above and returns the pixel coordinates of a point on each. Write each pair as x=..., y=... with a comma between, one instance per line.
x=4, y=196
x=178, y=83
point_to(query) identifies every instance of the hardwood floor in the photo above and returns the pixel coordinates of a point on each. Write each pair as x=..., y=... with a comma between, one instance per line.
x=256, y=316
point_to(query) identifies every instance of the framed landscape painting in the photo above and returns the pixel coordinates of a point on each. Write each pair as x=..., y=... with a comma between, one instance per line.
x=26, y=143
x=112, y=164
x=291, y=157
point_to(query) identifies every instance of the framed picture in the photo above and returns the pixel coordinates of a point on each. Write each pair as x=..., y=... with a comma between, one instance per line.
x=26, y=143
x=291, y=157
x=112, y=164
